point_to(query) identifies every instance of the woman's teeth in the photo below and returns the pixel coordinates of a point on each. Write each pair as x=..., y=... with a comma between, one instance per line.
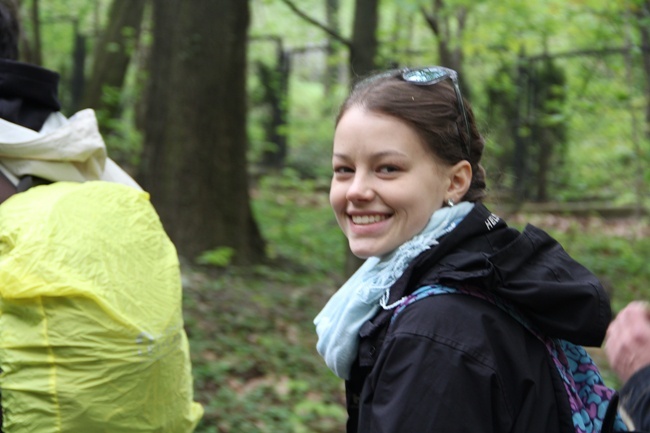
x=367, y=219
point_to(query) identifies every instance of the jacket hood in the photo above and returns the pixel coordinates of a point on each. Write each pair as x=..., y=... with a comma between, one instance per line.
x=528, y=269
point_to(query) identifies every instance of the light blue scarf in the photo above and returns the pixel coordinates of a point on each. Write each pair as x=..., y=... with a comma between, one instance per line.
x=360, y=298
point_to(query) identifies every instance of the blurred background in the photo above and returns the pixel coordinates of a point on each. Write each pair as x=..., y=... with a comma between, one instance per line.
x=224, y=111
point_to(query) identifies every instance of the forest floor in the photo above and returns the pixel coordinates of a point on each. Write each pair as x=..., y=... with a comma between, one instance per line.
x=254, y=360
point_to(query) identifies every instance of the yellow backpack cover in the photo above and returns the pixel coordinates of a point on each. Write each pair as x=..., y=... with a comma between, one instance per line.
x=91, y=326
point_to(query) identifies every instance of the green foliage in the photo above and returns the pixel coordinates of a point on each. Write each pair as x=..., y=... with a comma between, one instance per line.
x=296, y=220
x=252, y=346
x=220, y=257
x=616, y=250
x=123, y=140
x=619, y=261
x=311, y=128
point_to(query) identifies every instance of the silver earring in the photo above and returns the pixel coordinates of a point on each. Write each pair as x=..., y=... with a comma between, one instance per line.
x=450, y=202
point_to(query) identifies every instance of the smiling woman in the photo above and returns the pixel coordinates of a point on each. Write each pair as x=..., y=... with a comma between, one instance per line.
x=406, y=191
x=386, y=183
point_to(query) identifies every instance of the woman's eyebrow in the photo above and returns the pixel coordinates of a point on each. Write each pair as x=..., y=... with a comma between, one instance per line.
x=374, y=155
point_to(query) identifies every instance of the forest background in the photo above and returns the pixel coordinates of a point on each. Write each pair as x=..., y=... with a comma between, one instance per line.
x=224, y=111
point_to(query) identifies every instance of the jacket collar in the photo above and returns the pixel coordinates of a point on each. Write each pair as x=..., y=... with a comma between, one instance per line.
x=528, y=269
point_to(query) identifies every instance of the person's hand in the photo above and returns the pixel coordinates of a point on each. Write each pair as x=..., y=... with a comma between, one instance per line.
x=628, y=340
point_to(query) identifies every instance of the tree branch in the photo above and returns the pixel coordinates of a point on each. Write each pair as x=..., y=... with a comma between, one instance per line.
x=430, y=19
x=316, y=23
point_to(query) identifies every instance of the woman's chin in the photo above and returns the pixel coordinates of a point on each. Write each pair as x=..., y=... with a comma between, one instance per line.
x=364, y=251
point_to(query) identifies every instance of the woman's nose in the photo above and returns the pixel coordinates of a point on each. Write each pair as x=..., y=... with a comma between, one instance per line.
x=360, y=189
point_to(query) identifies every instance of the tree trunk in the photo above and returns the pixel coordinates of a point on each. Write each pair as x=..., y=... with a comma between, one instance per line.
x=275, y=82
x=36, y=52
x=551, y=129
x=644, y=30
x=77, y=81
x=364, y=37
x=643, y=14
x=194, y=162
x=521, y=139
x=449, y=35
x=332, y=68
x=28, y=49
x=112, y=56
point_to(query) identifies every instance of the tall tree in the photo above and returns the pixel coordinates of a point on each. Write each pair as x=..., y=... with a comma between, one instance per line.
x=549, y=129
x=363, y=47
x=448, y=24
x=194, y=161
x=77, y=82
x=529, y=97
x=113, y=54
x=643, y=17
x=363, y=44
x=30, y=41
x=331, y=70
x=35, y=52
x=275, y=89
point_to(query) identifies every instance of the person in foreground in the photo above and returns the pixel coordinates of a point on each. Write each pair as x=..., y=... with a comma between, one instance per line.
x=455, y=322
x=91, y=326
x=628, y=350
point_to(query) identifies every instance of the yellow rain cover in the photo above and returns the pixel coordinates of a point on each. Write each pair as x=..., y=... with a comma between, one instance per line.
x=91, y=327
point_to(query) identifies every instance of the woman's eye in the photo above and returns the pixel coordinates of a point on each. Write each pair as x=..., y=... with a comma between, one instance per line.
x=388, y=169
x=342, y=169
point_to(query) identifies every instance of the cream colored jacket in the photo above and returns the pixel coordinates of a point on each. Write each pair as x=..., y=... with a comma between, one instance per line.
x=63, y=150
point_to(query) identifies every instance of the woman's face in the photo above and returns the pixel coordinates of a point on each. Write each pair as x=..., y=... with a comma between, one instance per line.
x=386, y=184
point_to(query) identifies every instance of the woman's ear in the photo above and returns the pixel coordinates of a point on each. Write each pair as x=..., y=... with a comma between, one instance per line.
x=460, y=177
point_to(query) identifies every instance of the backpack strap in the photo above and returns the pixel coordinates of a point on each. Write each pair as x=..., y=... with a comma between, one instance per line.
x=7, y=188
x=28, y=181
x=588, y=396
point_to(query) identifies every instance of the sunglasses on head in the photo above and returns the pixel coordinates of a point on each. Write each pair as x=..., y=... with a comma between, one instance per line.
x=429, y=76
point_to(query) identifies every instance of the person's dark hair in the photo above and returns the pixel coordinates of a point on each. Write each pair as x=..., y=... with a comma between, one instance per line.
x=432, y=111
x=9, y=31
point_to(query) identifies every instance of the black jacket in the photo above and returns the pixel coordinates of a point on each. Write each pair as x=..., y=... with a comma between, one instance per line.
x=456, y=363
x=635, y=399
x=28, y=93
